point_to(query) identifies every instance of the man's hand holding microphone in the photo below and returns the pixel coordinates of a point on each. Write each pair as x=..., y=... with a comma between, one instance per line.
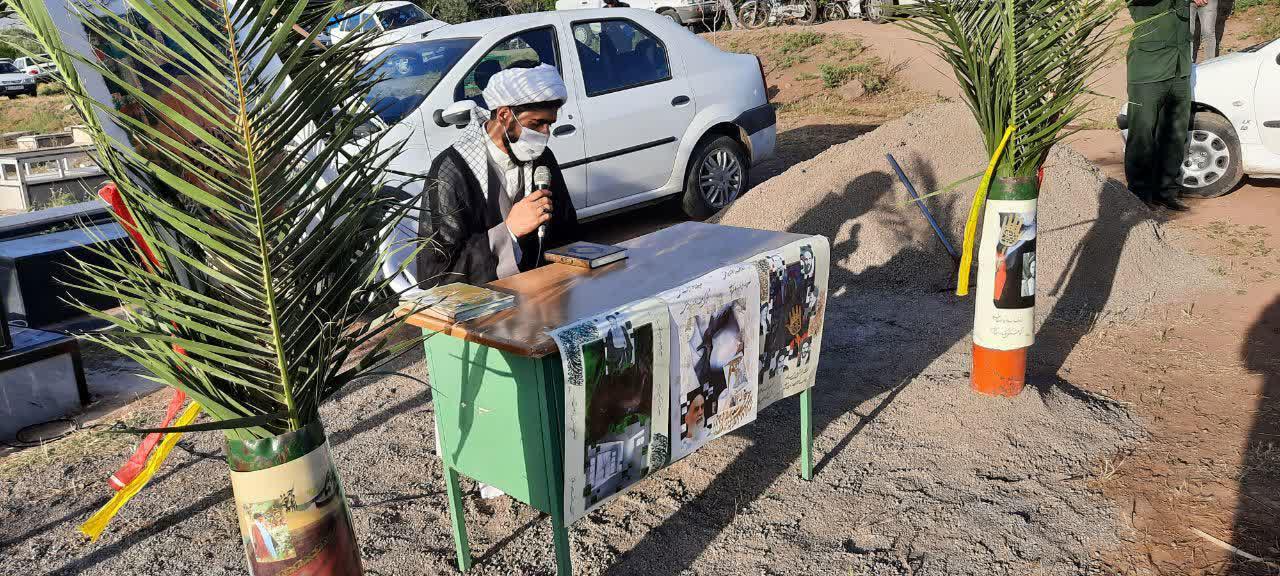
x=533, y=211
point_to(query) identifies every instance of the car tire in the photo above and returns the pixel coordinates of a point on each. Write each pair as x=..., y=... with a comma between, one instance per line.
x=874, y=10
x=672, y=15
x=833, y=11
x=1214, y=165
x=718, y=174
x=32, y=92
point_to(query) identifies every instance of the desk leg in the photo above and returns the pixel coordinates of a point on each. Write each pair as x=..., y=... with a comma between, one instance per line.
x=553, y=443
x=457, y=515
x=806, y=434
x=560, y=532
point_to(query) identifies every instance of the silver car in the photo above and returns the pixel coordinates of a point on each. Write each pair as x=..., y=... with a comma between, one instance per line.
x=14, y=81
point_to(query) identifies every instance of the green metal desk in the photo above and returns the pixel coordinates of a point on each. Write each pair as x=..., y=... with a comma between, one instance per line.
x=497, y=382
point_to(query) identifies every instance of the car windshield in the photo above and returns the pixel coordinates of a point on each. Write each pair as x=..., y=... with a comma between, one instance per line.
x=409, y=72
x=401, y=16
x=7, y=68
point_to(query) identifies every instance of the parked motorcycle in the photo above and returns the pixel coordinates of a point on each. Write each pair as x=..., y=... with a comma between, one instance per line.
x=875, y=11
x=756, y=14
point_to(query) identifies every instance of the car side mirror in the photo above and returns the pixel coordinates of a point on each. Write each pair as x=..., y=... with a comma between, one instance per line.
x=456, y=114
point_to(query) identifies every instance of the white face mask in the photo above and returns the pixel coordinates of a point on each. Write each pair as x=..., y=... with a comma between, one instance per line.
x=530, y=145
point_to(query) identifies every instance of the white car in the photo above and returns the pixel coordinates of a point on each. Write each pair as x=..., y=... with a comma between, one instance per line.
x=394, y=21
x=683, y=12
x=1236, y=127
x=653, y=111
x=40, y=67
x=14, y=81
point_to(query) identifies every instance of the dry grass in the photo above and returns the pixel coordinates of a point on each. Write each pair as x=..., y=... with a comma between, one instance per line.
x=42, y=114
x=808, y=69
x=89, y=443
x=1263, y=16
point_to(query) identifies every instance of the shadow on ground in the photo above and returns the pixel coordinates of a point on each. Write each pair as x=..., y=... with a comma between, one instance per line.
x=1256, y=530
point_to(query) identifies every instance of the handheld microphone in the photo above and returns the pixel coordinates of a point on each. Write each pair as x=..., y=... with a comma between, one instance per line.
x=542, y=181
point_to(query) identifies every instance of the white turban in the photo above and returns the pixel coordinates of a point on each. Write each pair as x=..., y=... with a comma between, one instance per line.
x=519, y=86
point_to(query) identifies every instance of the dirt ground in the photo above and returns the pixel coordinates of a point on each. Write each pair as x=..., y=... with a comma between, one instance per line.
x=1145, y=428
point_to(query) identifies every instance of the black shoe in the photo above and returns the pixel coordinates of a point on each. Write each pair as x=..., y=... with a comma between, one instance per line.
x=1175, y=204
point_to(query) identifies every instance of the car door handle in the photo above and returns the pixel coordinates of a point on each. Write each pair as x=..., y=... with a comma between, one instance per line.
x=565, y=130
x=679, y=100
x=1271, y=124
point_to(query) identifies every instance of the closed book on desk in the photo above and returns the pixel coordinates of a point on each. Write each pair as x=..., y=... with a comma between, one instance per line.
x=586, y=255
x=461, y=302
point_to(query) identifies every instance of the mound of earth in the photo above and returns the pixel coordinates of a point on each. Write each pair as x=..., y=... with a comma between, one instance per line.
x=1100, y=251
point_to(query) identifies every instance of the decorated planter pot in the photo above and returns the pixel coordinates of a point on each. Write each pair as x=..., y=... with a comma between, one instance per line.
x=293, y=514
x=1005, y=316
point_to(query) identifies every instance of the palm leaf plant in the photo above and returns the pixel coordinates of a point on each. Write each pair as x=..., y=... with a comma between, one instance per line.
x=1025, y=68
x=235, y=152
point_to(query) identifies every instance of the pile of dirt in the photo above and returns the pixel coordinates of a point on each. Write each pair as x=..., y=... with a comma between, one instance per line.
x=1100, y=250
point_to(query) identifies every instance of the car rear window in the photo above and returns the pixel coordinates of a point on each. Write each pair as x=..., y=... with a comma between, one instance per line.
x=410, y=72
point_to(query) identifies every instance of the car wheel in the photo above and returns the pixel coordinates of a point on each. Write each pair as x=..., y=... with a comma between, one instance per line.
x=753, y=14
x=875, y=12
x=717, y=176
x=675, y=17
x=833, y=11
x=1213, y=166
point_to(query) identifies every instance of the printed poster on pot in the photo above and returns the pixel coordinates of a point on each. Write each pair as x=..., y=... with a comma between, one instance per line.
x=1006, y=297
x=293, y=519
x=715, y=356
x=793, y=300
x=616, y=369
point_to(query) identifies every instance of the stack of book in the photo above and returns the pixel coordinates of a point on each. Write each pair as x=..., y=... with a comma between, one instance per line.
x=461, y=302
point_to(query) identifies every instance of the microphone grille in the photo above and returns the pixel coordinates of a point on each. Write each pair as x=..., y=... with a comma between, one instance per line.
x=542, y=176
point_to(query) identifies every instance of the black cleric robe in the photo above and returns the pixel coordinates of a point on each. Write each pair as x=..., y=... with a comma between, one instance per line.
x=464, y=212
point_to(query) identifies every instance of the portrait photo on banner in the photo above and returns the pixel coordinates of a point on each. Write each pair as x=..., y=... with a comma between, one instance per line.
x=713, y=385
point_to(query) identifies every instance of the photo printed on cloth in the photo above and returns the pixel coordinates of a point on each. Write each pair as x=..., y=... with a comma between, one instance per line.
x=716, y=352
x=616, y=385
x=1005, y=317
x=793, y=297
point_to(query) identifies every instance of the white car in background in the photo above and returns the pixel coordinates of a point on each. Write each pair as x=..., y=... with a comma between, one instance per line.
x=653, y=110
x=394, y=21
x=40, y=67
x=1236, y=127
x=682, y=12
x=14, y=81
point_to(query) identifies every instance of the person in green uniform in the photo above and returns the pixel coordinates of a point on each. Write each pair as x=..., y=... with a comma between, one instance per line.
x=1159, y=100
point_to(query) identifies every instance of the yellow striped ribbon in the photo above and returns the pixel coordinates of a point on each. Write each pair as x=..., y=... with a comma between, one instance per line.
x=94, y=526
x=971, y=227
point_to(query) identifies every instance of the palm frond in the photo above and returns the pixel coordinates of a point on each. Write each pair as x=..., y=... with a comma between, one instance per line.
x=1025, y=63
x=264, y=215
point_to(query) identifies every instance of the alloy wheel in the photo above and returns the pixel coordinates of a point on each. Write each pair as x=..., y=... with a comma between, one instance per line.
x=720, y=178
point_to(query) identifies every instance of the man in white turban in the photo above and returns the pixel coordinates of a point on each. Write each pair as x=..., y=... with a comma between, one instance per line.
x=481, y=212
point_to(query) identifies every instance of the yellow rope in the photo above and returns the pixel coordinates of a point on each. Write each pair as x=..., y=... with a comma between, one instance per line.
x=971, y=227
x=94, y=526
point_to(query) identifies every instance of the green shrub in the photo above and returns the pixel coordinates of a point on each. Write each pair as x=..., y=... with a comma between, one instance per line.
x=834, y=76
x=793, y=42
